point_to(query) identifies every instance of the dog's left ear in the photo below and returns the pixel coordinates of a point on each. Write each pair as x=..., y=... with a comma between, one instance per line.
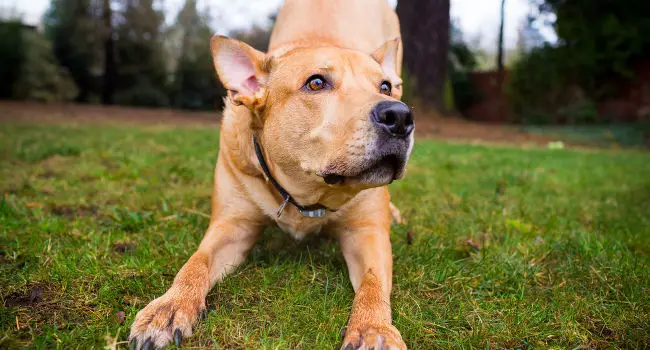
x=241, y=69
x=389, y=56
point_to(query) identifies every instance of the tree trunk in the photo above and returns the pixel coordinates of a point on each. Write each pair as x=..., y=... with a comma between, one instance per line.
x=500, y=64
x=425, y=34
x=109, y=56
x=500, y=44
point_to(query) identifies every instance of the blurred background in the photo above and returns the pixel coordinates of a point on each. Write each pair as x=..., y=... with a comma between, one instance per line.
x=571, y=70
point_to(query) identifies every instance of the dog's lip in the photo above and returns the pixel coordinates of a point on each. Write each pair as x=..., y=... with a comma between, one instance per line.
x=333, y=179
x=394, y=161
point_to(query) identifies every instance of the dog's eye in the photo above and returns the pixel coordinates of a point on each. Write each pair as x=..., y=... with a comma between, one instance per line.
x=385, y=88
x=315, y=83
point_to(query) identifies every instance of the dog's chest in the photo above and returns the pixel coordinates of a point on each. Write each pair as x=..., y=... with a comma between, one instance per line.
x=298, y=226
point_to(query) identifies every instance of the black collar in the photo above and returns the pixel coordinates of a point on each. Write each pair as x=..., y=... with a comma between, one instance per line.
x=312, y=211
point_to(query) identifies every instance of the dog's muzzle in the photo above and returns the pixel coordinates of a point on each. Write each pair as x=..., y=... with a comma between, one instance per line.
x=386, y=159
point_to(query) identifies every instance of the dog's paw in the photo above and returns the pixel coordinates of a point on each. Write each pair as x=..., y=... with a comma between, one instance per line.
x=375, y=337
x=165, y=320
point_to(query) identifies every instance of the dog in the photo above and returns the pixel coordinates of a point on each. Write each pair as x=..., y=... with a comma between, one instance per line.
x=312, y=133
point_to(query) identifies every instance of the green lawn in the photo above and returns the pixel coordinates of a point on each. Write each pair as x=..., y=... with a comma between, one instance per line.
x=503, y=248
x=613, y=135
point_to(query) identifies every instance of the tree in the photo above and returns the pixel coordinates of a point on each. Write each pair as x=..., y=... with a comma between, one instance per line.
x=74, y=28
x=500, y=44
x=601, y=38
x=425, y=34
x=599, y=43
x=141, y=71
x=500, y=65
x=462, y=61
x=195, y=85
x=108, y=86
x=40, y=76
x=12, y=56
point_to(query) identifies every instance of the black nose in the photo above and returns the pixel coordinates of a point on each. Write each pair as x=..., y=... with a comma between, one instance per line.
x=393, y=117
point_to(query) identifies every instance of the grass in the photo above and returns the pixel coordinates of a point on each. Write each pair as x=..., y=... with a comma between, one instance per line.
x=509, y=247
x=603, y=135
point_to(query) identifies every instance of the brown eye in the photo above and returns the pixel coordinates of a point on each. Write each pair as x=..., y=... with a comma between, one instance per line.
x=385, y=88
x=315, y=83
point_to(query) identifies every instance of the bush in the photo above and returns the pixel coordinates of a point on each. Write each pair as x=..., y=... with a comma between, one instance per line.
x=465, y=93
x=538, y=86
x=41, y=78
x=462, y=61
x=12, y=55
x=579, y=112
x=142, y=94
x=598, y=41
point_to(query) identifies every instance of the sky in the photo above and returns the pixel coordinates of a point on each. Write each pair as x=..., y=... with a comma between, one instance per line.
x=479, y=19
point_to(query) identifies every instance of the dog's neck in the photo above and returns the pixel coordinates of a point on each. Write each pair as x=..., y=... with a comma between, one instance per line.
x=236, y=144
x=313, y=211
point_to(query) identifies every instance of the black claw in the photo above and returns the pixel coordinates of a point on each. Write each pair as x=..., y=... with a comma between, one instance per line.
x=148, y=345
x=133, y=344
x=178, y=337
x=342, y=332
x=349, y=347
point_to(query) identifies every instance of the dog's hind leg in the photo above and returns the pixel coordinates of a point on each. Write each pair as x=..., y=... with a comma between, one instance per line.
x=396, y=214
x=170, y=317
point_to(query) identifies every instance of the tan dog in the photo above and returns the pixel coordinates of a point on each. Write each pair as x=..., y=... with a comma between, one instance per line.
x=312, y=133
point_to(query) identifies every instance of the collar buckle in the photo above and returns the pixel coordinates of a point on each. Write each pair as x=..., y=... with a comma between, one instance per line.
x=282, y=206
x=316, y=213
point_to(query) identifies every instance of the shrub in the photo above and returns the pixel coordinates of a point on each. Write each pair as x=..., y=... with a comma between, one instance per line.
x=12, y=55
x=539, y=85
x=40, y=76
x=142, y=94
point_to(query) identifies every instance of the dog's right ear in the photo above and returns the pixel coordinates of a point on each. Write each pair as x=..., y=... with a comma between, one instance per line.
x=389, y=56
x=240, y=69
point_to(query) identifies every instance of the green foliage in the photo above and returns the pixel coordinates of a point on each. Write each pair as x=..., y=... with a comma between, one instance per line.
x=464, y=91
x=462, y=61
x=141, y=62
x=28, y=68
x=598, y=43
x=538, y=85
x=79, y=35
x=602, y=38
x=75, y=30
x=580, y=112
x=12, y=56
x=195, y=84
x=143, y=94
x=542, y=89
x=41, y=77
x=199, y=87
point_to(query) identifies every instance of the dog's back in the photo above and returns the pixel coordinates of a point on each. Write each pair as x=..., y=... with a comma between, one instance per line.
x=354, y=24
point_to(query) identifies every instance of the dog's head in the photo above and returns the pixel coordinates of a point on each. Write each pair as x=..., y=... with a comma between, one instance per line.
x=326, y=114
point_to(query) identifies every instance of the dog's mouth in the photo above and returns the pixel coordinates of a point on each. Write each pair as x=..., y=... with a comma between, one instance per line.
x=381, y=171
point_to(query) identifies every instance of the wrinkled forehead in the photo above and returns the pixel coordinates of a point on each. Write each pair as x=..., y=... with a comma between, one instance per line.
x=321, y=60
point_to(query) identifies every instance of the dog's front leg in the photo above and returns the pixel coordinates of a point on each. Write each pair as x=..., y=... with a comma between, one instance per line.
x=368, y=255
x=171, y=316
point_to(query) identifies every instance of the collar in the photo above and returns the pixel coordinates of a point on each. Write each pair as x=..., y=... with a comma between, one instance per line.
x=311, y=211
